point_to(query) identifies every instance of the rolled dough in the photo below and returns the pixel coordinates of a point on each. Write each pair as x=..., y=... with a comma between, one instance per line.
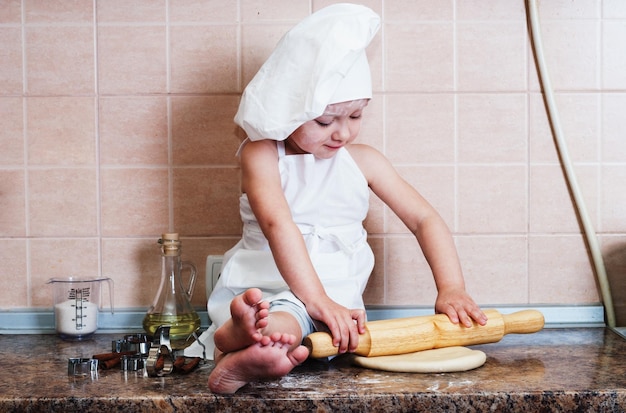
x=440, y=360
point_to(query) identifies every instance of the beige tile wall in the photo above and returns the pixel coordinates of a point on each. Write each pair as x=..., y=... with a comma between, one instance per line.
x=116, y=125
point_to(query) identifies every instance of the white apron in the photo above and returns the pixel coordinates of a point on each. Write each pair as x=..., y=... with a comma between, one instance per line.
x=329, y=199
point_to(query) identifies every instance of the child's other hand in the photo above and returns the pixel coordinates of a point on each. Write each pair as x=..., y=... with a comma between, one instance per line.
x=344, y=324
x=459, y=307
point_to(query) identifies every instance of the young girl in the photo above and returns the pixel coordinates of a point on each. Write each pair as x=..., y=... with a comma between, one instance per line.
x=303, y=261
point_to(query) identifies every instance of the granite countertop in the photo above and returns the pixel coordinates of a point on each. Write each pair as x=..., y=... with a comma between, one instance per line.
x=579, y=369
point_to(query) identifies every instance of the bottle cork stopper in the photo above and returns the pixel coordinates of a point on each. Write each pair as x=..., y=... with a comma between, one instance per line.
x=171, y=236
x=170, y=244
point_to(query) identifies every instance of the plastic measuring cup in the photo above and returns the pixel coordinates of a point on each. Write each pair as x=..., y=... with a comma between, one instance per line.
x=76, y=305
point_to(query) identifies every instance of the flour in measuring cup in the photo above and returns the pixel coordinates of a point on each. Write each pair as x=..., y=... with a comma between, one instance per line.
x=66, y=320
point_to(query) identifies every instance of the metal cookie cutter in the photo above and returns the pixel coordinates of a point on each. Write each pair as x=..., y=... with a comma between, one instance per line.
x=132, y=362
x=77, y=366
x=137, y=343
x=160, y=357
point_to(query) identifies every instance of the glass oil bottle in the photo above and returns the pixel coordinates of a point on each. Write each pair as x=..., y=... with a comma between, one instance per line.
x=172, y=303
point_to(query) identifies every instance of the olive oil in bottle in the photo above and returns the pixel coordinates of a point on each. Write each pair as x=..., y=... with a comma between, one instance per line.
x=181, y=330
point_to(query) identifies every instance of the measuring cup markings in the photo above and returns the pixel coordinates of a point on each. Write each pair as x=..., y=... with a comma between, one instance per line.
x=80, y=297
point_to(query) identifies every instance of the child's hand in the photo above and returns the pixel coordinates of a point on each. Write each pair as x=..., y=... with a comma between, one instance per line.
x=459, y=307
x=344, y=324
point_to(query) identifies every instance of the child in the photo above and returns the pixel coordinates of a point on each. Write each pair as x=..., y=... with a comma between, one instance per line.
x=303, y=261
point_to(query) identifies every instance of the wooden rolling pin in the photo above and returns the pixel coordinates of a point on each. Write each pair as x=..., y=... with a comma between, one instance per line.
x=411, y=334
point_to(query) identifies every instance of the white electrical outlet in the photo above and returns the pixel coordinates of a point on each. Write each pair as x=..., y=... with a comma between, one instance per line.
x=213, y=270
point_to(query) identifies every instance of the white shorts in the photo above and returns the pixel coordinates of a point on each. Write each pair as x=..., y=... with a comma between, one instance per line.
x=299, y=312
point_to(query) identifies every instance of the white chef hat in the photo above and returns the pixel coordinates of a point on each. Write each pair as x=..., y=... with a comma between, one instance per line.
x=318, y=62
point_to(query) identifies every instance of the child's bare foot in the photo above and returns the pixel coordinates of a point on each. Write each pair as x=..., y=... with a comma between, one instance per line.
x=248, y=315
x=268, y=358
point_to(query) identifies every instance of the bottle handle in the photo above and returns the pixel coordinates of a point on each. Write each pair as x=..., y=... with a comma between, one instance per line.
x=192, y=277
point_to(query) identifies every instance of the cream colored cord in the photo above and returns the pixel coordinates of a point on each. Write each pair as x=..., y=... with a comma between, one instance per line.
x=590, y=235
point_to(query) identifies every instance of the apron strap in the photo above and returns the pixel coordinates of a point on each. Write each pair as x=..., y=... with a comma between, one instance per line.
x=334, y=234
x=280, y=145
x=326, y=233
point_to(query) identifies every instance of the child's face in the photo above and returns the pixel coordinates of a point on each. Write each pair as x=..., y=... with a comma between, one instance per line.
x=338, y=126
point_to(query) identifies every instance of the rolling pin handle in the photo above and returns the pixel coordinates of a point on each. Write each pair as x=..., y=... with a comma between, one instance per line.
x=523, y=322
